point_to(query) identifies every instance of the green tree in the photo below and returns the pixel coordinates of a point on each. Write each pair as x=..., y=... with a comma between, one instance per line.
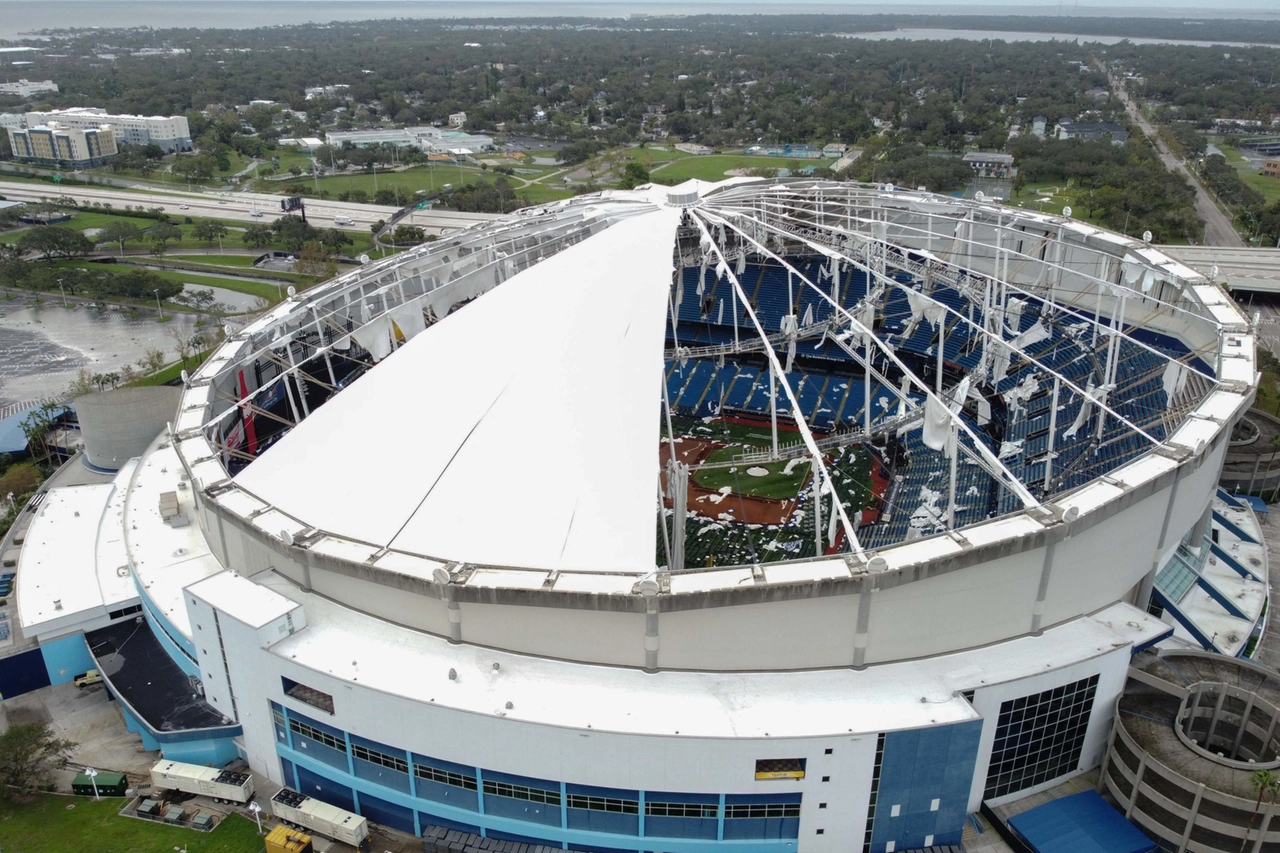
x=293, y=233
x=256, y=236
x=52, y=241
x=1263, y=782
x=29, y=753
x=119, y=231
x=634, y=174
x=209, y=231
x=335, y=239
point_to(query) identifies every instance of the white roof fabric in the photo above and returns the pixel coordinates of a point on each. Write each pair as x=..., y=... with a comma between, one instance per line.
x=532, y=417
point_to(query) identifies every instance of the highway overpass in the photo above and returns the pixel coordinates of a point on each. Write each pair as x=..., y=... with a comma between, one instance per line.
x=1255, y=270
x=239, y=206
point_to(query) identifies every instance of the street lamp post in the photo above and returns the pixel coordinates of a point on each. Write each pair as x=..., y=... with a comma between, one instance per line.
x=64, y=293
x=93, y=777
x=257, y=815
x=159, y=307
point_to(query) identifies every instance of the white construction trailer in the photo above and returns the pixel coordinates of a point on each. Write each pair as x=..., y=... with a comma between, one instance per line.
x=320, y=817
x=224, y=786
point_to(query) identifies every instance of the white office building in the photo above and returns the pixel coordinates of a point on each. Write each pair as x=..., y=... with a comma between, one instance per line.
x=169, y=132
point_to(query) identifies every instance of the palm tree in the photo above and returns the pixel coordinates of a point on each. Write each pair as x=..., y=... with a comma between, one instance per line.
x=1263, y=782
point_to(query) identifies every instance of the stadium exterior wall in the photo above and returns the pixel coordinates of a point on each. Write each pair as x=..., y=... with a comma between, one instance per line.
x=834, y=792
x=979, y=595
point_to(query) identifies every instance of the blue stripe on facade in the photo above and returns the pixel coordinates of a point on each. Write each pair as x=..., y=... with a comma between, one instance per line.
x=333, y=779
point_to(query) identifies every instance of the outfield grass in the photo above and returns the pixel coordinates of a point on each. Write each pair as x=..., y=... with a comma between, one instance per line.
x=47, y=825
x=777, y=484
x=713, y=167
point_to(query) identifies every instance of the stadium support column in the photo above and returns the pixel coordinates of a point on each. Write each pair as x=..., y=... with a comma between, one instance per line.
x=1053, y=431
x=817, y=508
x=651, y=642
x=678, y=491
x=942, y=345
x=773, y=408
x=866, y=388
x=953, y=450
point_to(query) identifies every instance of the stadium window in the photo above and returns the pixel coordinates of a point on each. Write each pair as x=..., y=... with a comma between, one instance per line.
x=829, y=751
x=822, y=805
x=127, y=611
x=756, y=811
x=521, y=792
x=603, y=804
x=780, y=768
x=687, y=810
x=826, y=778
x=300, y=728
x=444, y=777
x=373, y=756
x=1039, y=737
x=308, y=695
x=821, y=831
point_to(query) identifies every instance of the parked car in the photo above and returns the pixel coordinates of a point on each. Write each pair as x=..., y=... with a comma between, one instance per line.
x=85, y=679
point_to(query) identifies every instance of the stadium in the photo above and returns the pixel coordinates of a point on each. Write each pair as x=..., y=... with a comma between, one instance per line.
x=757, y=516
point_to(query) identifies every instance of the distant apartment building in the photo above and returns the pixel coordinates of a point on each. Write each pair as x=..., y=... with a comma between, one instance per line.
x=430, y=139
x=835, y=150
x=798, y=152
x=1093, y=131
x=27, y=88
x=457, y=120
x=59, y=145
x=1271, y=168
x=337, y=90
x=171, y=133
x=987, y=164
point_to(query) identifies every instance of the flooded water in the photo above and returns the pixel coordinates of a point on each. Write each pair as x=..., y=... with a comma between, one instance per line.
x=236, y=301
x=43, y=347
x=926, y=34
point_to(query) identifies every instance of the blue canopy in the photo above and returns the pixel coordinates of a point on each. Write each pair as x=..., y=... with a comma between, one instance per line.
x=1082, y=823
x=12, y=438
x=1258, y=504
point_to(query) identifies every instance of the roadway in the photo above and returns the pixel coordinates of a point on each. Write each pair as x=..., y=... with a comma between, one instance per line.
x=239, y=207
x=1250, y=270
x=1218, y=230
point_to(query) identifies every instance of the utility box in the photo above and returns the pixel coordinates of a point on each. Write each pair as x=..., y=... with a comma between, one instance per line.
x=149, y=809
x=282, y=839
x=109, y=785
x=203, y=821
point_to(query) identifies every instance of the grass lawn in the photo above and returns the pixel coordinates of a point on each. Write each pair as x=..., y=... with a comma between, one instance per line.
x=173, y=371
x=712, y=167
x=47, y=825
x=777, y=484
x=254, y=288
x=241, y=261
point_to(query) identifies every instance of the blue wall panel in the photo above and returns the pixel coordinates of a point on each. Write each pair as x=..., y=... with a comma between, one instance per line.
x=66, y=657
x=435, y=820
x=290, y=777
x=385, y=813
x=449, y=794
x=210, y=753
x=598, y=821
x=521, y=809
x=315, y=785
x=380, y=775
x=919, y=767
x=22, y=673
